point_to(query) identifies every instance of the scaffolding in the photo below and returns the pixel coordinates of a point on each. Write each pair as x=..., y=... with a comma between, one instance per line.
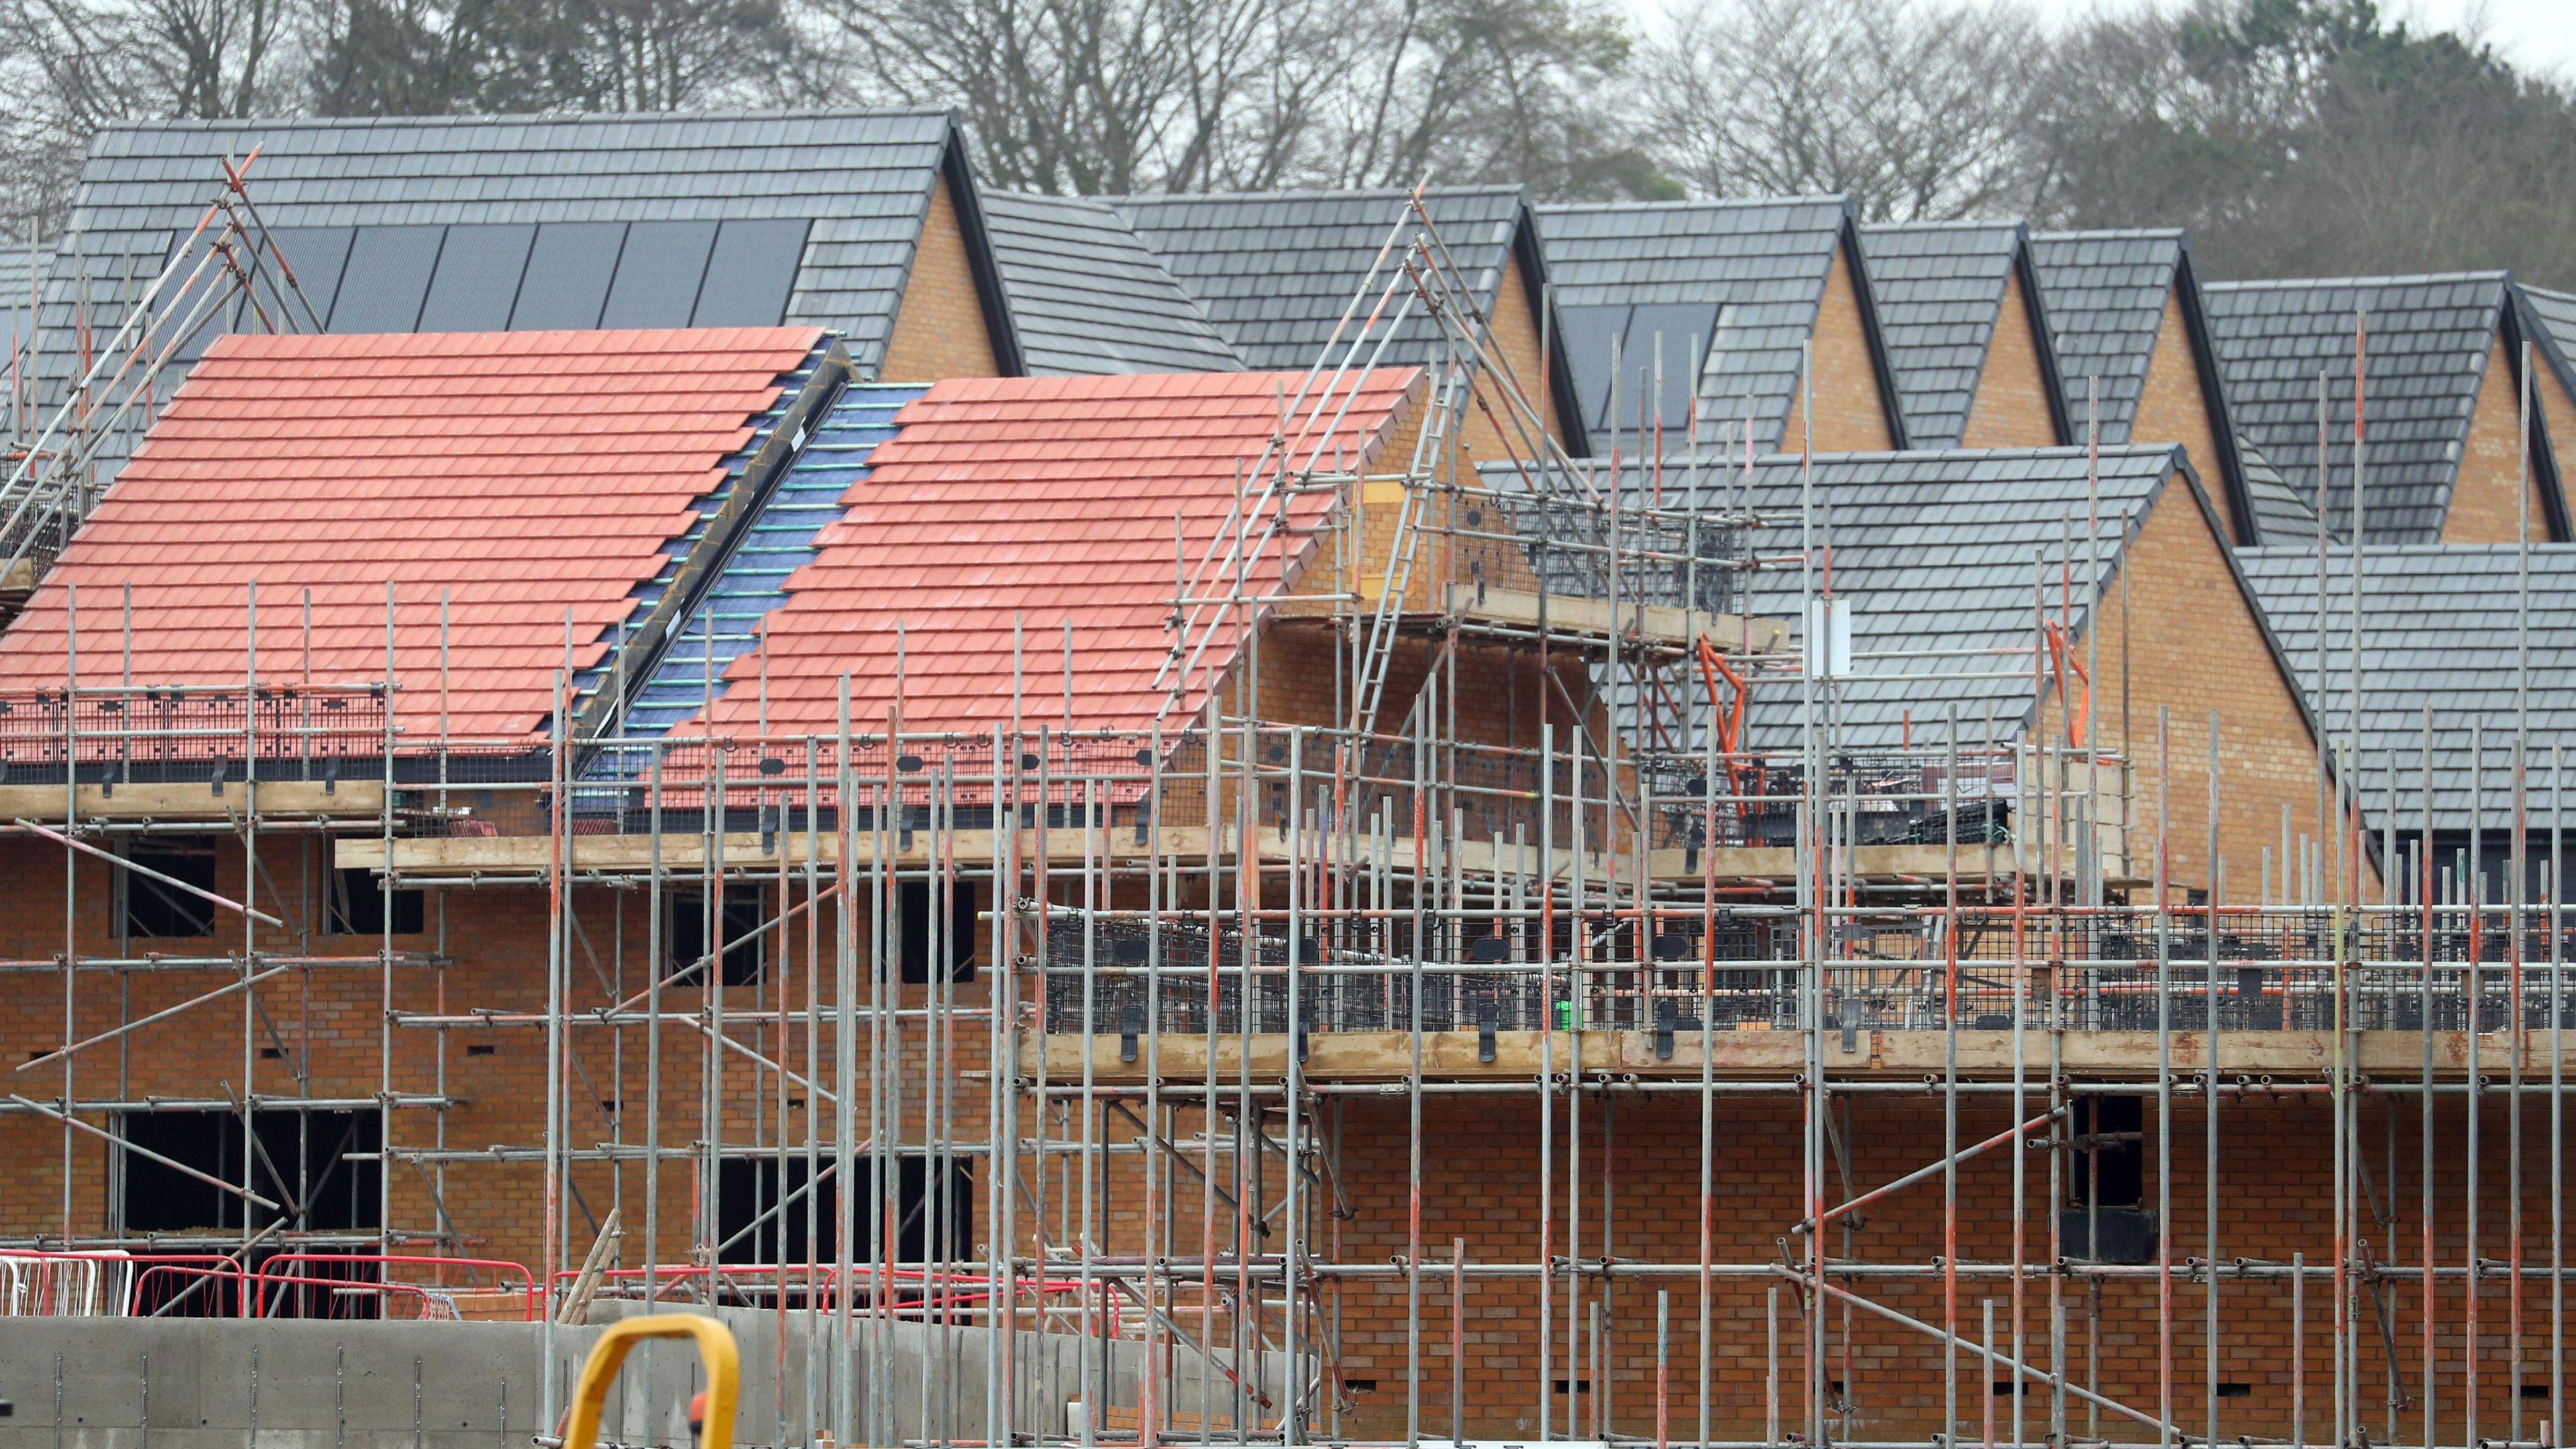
x=92, y=372
x=1190, y=1037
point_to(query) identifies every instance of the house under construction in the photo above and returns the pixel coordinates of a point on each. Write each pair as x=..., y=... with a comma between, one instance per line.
x=1360, y=916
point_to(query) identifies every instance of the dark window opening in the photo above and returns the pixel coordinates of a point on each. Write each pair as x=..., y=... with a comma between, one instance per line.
x=317, y=1167
x=2006, y=1388
x=744, y=940
x=2228, y=1389
x=1574, y=1386
x=754, y=1226
x=357, y=906
x=149, y=907
x=2110, y=1168
x=957, y=934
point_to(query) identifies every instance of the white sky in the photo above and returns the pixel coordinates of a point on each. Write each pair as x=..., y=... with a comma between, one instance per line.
x=2537, y=35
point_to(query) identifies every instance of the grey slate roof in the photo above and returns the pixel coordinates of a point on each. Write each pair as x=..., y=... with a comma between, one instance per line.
x=2106, y=293
x=583, y=221
x=2556, y=314
x=1940, y=290
x=2438, y=628
x=1937, y=551
x=1746, y=279
x=1275, y=271
x=1088, y=297
x=16, y=297
x=2428, y=343
x=2283, y=515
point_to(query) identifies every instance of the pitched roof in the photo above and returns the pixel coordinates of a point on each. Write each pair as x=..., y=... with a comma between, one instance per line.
x=1276, y=271
x=1940, y=290
x=1746, y=278
x=1048, y=501
x=1938, y=552
x=667, y=675
x=2106, y=293
x=2429, y=338
x=2439, y=627
x=531, y=476
x=2283, y=515
x=16, y=296
x=534, y=222
x=1088, y=297
x=2555, y=312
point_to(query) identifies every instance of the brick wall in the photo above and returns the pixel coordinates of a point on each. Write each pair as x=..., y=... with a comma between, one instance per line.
x=2172, y=408
x=324, y=1024
x=2184, y=636
x=2010, y=409
x=939, y=331
x=2484, y=507
x=1515, y=337
x=1639, y=1170
x=1851, y=411
x=2558, y=411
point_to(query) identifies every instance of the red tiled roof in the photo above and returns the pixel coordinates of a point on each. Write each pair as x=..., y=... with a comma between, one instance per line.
x=1046, y=499
x=525, y=473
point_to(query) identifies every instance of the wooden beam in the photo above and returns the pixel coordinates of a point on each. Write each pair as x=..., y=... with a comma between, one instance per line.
x=197, y=800
x=2288, y=1057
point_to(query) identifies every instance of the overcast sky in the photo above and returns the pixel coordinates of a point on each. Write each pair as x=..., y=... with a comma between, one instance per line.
x=2533, y=34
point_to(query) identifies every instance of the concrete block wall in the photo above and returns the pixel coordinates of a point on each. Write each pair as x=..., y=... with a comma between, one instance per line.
x=110, y=1383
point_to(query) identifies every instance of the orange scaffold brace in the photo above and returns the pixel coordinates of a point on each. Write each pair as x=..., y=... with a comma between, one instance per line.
x=1729, y=719
x=2061, y=654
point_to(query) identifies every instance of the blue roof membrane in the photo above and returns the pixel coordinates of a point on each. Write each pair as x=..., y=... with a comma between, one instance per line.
x=752, y=583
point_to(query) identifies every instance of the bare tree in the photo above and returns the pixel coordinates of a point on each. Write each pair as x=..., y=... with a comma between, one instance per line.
x=1092, y=96
x=1914, y=108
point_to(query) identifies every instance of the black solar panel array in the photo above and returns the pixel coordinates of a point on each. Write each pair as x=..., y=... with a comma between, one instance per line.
x=449, y=223
x=516, y=277
x=1732, y=287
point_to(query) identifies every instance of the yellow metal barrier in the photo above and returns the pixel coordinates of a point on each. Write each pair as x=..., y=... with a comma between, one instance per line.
x=716, y=1352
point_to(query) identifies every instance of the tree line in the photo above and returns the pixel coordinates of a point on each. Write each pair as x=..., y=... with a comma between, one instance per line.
x=2291, y=136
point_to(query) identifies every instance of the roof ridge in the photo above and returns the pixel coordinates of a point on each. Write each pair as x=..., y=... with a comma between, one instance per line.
x=1354, y=193
x=2394, y=279
x=2112, y=233
x=523, y=118
x=1707, y=203
x=1962, y=224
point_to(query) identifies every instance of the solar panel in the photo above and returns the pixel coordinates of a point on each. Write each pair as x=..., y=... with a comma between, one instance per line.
x=316, y=255
x=171, y=309
x=1586, y=334
x=658, y=274
x=1685, y=328
x=751, y=273
x=477, y=279
x=387, y=278
x=566, y=283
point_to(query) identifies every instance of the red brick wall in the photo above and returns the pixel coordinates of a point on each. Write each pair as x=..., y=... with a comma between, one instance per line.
x=2274, y=1172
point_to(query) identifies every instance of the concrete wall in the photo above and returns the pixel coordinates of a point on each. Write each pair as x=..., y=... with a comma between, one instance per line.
x=118, y=1383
